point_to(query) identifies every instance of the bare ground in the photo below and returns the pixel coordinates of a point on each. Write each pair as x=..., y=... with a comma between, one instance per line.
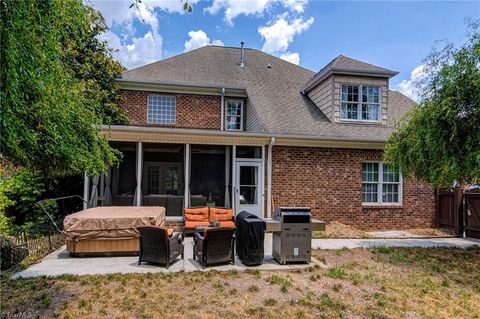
x=380, y=283
x=336, y=229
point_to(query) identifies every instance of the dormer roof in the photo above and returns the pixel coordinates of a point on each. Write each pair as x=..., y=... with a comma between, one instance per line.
x=345, y=65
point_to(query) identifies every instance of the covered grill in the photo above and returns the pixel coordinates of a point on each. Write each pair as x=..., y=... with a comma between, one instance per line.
x=250, y=234
x=293, y=242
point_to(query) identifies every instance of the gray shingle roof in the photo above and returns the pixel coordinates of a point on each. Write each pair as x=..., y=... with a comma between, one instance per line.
x=274, y=91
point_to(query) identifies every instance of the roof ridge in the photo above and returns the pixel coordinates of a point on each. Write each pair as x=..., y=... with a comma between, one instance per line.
x=276, y=57
x=161, y=60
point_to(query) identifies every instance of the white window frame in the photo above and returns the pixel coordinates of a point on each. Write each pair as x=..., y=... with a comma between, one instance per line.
x=150, y=120
x=360, y=102
x=380, y=183
x=226, y=115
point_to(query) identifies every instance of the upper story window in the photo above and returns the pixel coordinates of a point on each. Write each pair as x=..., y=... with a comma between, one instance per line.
x=234, y=115
x=360, y=102
x=380, y=184
x=161, y=109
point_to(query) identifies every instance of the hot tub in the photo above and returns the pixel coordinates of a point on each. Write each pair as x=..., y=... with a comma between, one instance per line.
x=109, y=230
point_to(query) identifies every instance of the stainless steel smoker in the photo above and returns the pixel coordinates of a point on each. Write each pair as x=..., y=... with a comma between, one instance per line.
x=293, y=242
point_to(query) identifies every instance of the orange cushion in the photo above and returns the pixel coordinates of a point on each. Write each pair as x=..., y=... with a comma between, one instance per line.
x=193, y=224
x=196, y=214
x=221, y=214
x=227, y=224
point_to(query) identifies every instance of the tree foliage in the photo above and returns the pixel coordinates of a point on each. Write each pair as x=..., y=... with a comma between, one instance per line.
x=439, y=140
x=55, y=87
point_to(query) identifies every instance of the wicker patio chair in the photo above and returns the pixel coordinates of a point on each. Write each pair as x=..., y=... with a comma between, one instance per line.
x=214, y=247
x=157, y=247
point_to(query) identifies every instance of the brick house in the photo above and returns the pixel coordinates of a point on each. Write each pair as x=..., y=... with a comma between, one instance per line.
x=240, y=128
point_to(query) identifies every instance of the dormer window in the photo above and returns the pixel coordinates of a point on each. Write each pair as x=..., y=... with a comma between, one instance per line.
x=234, y=115
x=360, y=103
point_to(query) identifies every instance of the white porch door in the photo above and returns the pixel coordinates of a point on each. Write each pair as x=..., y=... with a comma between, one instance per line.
x=248, y=187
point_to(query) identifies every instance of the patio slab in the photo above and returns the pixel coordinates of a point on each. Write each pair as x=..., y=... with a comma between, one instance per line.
x=410, y=242
x=60, y=263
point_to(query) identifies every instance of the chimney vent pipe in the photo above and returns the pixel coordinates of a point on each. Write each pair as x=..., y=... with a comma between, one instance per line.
x=241, y=54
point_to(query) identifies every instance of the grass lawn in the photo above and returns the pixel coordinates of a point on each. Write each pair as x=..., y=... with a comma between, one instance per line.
x=380, y=283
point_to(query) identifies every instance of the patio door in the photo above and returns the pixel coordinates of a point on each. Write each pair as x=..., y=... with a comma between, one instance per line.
x=249, y=190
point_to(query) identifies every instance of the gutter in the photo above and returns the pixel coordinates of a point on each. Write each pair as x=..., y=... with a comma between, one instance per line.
x=268, y=136
x=269, y=178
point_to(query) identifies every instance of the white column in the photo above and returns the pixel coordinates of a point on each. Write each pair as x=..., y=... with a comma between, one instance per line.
x=234, y=178
x=227, y=176
x=186, y=193
x=86, y=184
x=269, y=177
x=262, y=181
x=139, y=163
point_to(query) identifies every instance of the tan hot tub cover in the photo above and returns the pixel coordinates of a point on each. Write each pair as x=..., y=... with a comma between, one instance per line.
x=111, y=222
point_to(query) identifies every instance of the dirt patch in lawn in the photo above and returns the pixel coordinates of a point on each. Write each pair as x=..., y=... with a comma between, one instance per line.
x=433, y=232
x=380, y=283
x=335, y=229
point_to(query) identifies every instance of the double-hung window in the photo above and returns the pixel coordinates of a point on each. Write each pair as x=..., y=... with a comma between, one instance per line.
x=234, y=115
x=161, y=109
x=360, y=102
x=380, y=184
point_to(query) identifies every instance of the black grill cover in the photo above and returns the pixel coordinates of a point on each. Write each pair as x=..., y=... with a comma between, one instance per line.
x=249, y=233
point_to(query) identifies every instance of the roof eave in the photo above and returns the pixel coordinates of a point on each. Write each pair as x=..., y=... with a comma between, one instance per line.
x=284, y=139
x=178, y=87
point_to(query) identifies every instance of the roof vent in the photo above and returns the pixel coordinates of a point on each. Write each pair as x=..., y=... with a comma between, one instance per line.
x=269, y=66
x=241, y=54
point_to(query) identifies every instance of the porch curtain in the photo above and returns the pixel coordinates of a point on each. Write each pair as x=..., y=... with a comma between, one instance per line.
x=94, y=193
x=115, y=177
x=227, y=176
x=107, y=195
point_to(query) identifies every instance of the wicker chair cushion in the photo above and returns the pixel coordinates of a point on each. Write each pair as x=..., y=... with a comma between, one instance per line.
x=193, y=224
x=227, y=224
x=196, y=214
x=221, y=214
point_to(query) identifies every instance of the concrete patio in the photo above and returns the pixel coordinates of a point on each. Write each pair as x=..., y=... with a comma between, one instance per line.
x=407, y=242
x=59, y=263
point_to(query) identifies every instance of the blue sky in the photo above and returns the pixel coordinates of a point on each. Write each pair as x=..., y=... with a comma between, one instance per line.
x=392, y=34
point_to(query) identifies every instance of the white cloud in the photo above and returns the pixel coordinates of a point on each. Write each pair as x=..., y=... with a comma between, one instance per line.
x=292, y=57
x=199, y=39
x=279, y=34
x=408, y=87
x=134, y=50
x=234, y=8
x=140, y=51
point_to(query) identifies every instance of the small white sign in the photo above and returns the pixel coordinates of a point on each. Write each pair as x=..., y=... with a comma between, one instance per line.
x=295, y=251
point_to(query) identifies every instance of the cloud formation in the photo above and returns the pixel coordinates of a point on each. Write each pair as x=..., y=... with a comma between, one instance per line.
x=133, y=50
x=292, y=57
x=199, y=39
x=234, y=8
x=408, y=87
x=279, y=34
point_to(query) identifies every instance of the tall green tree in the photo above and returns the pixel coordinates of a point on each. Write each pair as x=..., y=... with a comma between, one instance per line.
x=439, y=140
x=55, y=87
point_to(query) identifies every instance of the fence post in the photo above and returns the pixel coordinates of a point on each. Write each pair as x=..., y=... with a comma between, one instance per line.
x=458, y=211
x=49, y=243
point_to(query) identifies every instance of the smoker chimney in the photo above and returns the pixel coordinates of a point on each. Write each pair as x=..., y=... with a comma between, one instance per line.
x=241, y=54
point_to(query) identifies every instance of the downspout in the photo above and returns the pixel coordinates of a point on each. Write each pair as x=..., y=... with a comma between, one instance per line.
x=223, y=109
x=269, y=178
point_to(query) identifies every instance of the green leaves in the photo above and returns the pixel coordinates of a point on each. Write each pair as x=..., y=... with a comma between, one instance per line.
x=56, y=87
x=439, y=141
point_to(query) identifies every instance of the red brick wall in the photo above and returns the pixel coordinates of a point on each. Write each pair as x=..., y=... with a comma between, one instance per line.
x=193, y=111
x=330, y=182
